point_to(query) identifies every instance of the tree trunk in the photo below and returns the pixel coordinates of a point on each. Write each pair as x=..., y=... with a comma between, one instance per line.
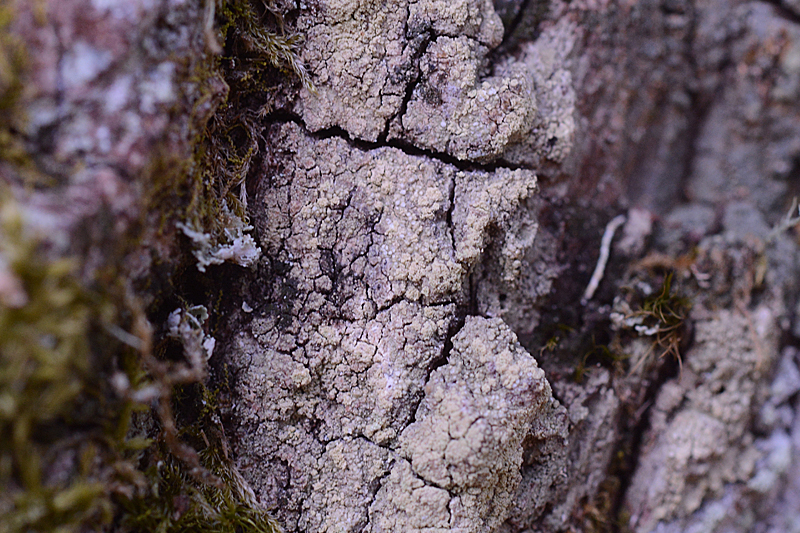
x=522, y=266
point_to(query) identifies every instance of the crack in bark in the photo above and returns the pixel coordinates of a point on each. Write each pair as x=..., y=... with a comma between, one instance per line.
x=425, y=39
x=515, y=22
x=336, y=132
x=783, y=11
x=374, y=488
x=449, y=215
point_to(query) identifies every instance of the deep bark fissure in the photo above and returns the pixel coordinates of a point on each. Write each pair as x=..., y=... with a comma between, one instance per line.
x=515, y=22
x=632, y=436
x=426, y=39
x=336, y=132
x=783, y=11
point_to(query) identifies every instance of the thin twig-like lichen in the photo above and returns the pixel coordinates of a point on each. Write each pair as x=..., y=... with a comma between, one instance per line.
x=605, y=251
x=790, y=220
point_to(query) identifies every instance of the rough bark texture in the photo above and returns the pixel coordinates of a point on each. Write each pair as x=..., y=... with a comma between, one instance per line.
x=410, y=352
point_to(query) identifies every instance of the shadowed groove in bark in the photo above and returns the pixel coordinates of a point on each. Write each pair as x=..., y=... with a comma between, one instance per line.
x=426, y=39
x=785, y=12
x=335, y=132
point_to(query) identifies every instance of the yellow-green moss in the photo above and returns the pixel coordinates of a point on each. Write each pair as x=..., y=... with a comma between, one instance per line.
x=70, y=458
x=73, y=357
x=12, y=61
x=57, y=410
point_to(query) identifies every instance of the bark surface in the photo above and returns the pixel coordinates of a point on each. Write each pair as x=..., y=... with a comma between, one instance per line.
x=407, y=332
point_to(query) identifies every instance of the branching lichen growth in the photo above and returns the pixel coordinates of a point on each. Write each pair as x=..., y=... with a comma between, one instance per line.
x=789, y=221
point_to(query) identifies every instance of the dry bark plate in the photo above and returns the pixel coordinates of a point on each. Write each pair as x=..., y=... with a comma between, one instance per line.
x=381, y=384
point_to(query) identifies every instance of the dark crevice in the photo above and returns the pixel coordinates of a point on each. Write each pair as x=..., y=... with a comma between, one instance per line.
x=523, y=27
x=783, y=11
x=449, y=215
x=696, y=115
x=440, y=361
x=466, y=166
x=375, y=486
x=698, y=111
x=472, y=296
x=396, y=299
x=514, y=25
x=421, y=47
x=580, y=329
x=336, y=132
x=635, y=428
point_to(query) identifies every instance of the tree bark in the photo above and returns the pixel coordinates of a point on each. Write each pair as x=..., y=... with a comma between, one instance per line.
x=397, y=278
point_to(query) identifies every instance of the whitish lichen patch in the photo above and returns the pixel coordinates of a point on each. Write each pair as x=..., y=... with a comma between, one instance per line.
x=455, y=110
x=465, y=448
x=364, y=59
x=369, y=256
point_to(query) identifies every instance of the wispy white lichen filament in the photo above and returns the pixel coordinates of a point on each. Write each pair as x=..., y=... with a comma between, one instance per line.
x=605, y=249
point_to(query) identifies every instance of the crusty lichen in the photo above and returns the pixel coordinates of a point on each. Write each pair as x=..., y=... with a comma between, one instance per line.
x=461, y=458
x=457, y=111
x=368, y=261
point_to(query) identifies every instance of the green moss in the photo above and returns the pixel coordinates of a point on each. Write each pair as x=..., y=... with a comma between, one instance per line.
x=70, y=457
x=57, y=410
x=81, y=447
x=12, y=62
x=178, y=500
x=258, y=57
x=257, y=41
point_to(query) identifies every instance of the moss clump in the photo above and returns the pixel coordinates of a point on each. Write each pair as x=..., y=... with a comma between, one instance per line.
x=58, y=412
x=660, y=316
x=178, y=500
x=87, y=434
x=257, y=57
x=12, y=61
x=666, y=311
x=71, y=377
